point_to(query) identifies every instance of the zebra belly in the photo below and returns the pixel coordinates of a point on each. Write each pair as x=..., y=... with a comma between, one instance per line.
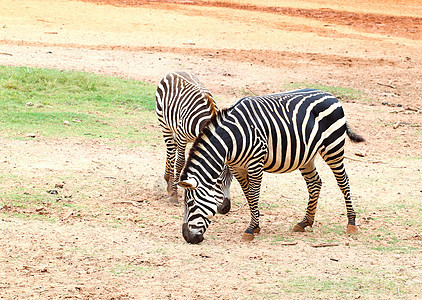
x=288, y=166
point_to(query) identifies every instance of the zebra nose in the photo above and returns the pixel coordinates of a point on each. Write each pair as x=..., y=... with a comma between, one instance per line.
x=191, y=238
x=224, y=208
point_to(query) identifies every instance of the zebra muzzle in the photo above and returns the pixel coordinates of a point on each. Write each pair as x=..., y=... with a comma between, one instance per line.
x=224, y=208
x=191, y=236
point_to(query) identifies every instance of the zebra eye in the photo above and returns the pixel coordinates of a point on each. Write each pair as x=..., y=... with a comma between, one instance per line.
x=189, y=198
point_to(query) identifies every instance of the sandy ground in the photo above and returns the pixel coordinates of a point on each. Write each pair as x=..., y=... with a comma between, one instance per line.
x=111, y=249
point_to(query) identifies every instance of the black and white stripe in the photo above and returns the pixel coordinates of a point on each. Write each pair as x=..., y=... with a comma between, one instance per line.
x=277, y=133
x=184, y=106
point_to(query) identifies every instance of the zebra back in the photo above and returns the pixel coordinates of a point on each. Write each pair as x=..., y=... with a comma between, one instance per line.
x=291, y=127
x=183, y=104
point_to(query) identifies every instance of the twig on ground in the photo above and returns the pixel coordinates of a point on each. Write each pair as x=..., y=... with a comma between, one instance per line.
x=365, y=161
x=128, y=202
x=253, y=93
x=387, y=85
x=239, y=207
x=324, y=245
x=288, y=243
x=73, y=212
x=354, y=159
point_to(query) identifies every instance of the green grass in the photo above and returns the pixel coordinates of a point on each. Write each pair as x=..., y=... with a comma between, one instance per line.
x=126, y=268
x=281, y=238
x=25, y=205
x=344, y=94
x=395, y=249
x=22, y=199
x=40, y=101
x=358, y=281
x=54, y=87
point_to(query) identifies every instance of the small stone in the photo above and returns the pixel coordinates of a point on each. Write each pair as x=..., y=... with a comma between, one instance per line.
x=31, y=135
x=360, y=153
x=67, y=123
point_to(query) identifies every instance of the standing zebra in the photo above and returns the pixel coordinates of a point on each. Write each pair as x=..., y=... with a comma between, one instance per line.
x=183, y=108
x=277, y=133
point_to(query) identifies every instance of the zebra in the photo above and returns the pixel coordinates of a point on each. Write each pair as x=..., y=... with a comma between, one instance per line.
x=183, y=107
x=276, y=133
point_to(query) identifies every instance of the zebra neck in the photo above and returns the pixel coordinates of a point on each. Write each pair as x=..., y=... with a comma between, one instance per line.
x=209, y=164
x=206, y=160
x=209, y=152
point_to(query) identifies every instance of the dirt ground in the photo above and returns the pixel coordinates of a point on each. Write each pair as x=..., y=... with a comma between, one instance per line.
x=109, y=248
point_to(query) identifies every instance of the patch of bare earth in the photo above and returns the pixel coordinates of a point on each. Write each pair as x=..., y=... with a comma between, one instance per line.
x=110, y=233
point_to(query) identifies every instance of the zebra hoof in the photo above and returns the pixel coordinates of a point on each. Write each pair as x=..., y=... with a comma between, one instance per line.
x=172, y=196
x=298, y=228
x=173, y=199
x=351, y=229
x=247, y=237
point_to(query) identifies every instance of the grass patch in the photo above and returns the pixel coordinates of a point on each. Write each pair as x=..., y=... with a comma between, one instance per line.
x=54, y=87
x=126, y=269
x=395, y=249
x=58, y=103
x=364, y=284
x=277, y=239
x=21, y=198
x=36, y=217
x=268, y=206
x=343, y=94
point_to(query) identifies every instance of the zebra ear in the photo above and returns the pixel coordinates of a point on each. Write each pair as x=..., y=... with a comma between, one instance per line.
x=189, y=183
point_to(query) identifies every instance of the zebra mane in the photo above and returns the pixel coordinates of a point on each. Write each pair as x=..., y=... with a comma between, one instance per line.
x=205, y=131
x=211, y=103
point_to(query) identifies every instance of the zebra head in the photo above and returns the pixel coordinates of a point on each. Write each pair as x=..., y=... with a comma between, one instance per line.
x=200, y=207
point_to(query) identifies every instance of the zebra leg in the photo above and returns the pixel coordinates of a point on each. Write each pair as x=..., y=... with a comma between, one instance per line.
x=251, y=185
x=334, y=159
x=313, y=183
x=343, y=182
x=170, y=158
x=180, y=163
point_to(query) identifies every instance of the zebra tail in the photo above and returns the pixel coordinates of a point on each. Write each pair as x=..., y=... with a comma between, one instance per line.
x=353, y=136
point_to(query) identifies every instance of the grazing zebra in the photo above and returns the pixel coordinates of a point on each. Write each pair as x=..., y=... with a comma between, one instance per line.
x=277, y=133
x=183, y=107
